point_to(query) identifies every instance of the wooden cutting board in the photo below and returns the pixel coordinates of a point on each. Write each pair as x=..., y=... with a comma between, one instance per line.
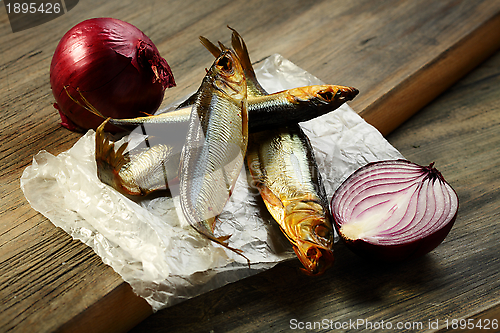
x=399, y=54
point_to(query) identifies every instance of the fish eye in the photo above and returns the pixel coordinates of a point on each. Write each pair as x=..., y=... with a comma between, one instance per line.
x=225, y=63
x=326, y=95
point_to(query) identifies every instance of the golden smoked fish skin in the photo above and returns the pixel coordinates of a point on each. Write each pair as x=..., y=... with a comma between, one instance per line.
x=213, y=155
x=295, y=105
x=270, y=110
x=284, y=169
x=172, y=117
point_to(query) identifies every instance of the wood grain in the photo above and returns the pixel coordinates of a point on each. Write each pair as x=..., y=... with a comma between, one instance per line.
x=400, y=54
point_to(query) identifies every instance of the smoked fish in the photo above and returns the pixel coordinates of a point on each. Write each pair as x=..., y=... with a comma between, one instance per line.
x=284, y=170
x=213, y=155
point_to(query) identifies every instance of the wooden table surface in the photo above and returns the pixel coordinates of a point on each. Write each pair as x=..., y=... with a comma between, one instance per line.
x=401, y=55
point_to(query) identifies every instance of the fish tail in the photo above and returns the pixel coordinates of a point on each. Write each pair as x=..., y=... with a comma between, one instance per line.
x=211, y=47
x=223, y=47
x=241, y=50
x=110, y=162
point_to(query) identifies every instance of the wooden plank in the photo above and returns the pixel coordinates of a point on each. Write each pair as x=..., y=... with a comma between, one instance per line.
x=387, y=49
x=119, y=303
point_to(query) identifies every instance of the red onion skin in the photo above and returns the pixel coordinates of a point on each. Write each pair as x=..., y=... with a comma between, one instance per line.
x=397, y=252
x=114, y=66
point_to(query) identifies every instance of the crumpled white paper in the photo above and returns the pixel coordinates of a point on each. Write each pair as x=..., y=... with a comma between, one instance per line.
x=151, y=246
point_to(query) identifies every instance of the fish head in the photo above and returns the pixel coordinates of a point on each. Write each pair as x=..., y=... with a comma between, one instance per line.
x=326, y=95
x=316, y=253
x=228, y=75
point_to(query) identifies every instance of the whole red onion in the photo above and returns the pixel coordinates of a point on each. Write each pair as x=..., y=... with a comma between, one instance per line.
x=110, y=65
x=394, y=210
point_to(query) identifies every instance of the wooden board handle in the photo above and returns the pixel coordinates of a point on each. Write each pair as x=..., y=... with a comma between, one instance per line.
x=416, y=91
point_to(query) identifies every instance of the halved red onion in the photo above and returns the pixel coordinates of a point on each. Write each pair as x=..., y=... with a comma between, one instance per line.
x=394, y=210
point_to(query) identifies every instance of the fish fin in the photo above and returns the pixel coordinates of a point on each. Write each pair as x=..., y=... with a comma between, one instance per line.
x=105, y=149
x=223, y=47
x=241, y=50
x=110, y=162
x=224, y=238
x=221, y=240
x=211, y=47
x=270, y=198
